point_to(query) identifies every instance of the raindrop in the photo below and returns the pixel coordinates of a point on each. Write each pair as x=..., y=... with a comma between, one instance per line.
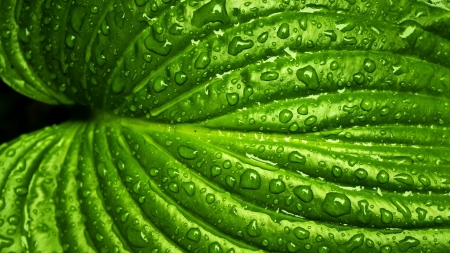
x=237, y=45
x=308, y=75
x=276, y=186
x=304, y=193
x=250, y=179
x=285, y=116
x=336, y=204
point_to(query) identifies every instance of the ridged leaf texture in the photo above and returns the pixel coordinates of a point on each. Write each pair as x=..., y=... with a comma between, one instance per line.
x=229, y=126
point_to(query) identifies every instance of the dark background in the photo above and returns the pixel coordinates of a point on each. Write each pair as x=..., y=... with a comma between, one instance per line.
x=20, y=114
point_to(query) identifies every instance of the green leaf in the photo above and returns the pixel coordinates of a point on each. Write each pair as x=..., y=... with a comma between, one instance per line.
x=224, y=126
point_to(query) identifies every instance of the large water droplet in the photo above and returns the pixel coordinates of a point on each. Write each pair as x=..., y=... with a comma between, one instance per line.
x=250, y=179
x=180, y=78
x=302, y=110
x=202, y=60
x=187, y=152
x=269, y=76
x=366, y=104
x=401, y=207
x=404, y=178
x=310, y=120
x=214, y=11
x=159, y=85
x=383, y=177
x=285, y=116
x=210, y=198
x=263, y=37
x=304, y=193
x=283, y=31
x=296, y=157
x=118, y=85
x=386, y=216
x=277, y=186
x=421, y=213
x=232, y=98
x=215, y=171
x=308, y=75
x=355, y=242
x=237, y=45
x=407, y=243
x=361, y=173
x=336, y=204
x=369, y=65
x=363, y=216
x=194, y=234
x=189, y=187
x=301, y=233
x=214, y=248
x=136, y=237
x=252, y=229
x=161, y=48
x=346, y=24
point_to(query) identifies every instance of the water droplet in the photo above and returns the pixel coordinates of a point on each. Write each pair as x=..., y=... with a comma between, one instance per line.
x=180, y=78
x=296, y=157
x=366, y=104
x=404, y=178
x=285, y=116
x=363, y=216
x=301, y=233
x=337, y=171
x=176, y=29
x=383, y=177
x=187, y=152
x=263, y=37
x=407, y=243
x=334, y=65
x=194, y=234
x=232, y=98
x=277, y=186
x=147, y=57
x=202, y=60
x=189, y=187
x=70, y=41
x=210, y=198
x=385, y=249
x=359, y=78
x=308, y=75
x=11, y=152
x=237, y=45
x=302, y=110
x=336, y=204
x=303, y=22
x=323, y=249
x=5, y=242
x=269, y=76
x=173, y=187
x=304, y=193
x=292, y=247
x=94, y=9
x=355, y=242
x=136, y=237
x=369, y=65
x=424, y=180
x=215, y=248
x=21, y=190
x=215, y=170
x=384, y=111
x=159, y=85
x=118, y=85
x=253, y=229
x=230, y=181
x=158, y=47
x=386, y=216
x=361, y=173
x=421, y=213
x=250, y=179
x=214, y=11
x=283, y=31
x=310, y=120
x=346, y=24
x=401, y=207
x=331, y=34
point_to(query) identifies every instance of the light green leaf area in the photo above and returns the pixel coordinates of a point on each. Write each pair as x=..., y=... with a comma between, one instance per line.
x=225, y=126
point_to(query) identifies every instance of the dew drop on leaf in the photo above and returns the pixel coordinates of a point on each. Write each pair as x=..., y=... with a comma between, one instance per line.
x=304, y=193
x=386, y=216
x=285, y=116
x=252, y=229
x=308, y=76
x=269, y=76
x=194, y=234
x=301, y=233
x=277, y=186
x=187, y=152
x=383, y=177
x=310, y=120
x=189, y=188
x=202, y=60
x=232, y=98
x=237, y=45
x=283, y=31
x=250, y=179
x=336, y=204
x=302, y=110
